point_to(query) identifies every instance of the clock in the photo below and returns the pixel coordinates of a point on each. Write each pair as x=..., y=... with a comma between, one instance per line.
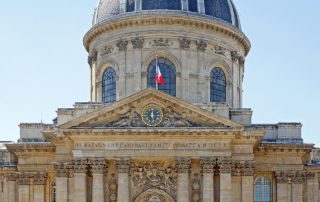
x=152, y=115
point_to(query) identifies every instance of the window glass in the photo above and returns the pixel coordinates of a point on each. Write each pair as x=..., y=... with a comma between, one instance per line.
x=262, y=190
x=130, y=5
x=217, y=85
x=161, y=4
x=193, y=5
x=219, y=9
x=168, y=72
x=109, y=85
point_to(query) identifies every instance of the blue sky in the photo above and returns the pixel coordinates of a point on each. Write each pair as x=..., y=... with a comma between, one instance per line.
x=43, y=64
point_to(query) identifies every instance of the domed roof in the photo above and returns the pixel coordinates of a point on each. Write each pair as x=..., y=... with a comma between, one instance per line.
x=222, y=10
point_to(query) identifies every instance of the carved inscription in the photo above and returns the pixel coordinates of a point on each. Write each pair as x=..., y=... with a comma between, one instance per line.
x=148, y=145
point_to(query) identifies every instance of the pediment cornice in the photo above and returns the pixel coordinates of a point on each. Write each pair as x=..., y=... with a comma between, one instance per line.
x=126, y=113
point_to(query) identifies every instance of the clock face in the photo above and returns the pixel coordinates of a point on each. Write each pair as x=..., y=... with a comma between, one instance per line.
x=152, y=115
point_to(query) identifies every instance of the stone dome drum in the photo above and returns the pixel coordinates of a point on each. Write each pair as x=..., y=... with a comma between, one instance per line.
x=221, y=10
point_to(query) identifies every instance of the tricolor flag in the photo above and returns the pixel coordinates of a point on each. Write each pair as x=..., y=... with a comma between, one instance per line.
x=159, y=78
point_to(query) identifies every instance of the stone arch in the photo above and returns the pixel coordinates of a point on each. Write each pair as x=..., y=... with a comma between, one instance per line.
x=164, y=54
x=105, y=65
x=223, y=65
x=154, y=195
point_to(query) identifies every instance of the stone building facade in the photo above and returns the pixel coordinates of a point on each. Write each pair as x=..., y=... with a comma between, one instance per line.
x=188, y=139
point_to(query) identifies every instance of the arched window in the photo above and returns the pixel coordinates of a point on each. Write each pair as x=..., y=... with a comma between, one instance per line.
x=161, y=4
x=109, y=85
x=217, y=85
x=193, y=5
x=54, y=192
x=168, y=73
x=262, y=190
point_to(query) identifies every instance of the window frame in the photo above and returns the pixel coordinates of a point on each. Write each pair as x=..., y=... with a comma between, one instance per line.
x=215, y=87
x=267, y=183
x=112, y=86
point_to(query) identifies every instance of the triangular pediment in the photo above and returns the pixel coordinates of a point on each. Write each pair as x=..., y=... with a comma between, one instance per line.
x=132, y=112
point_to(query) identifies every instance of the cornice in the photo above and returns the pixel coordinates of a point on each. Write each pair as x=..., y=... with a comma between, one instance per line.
x=32, y=147
x=285, y=148
x=145, y=19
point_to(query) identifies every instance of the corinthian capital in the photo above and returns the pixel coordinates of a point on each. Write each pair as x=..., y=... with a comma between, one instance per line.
x=183, y=165
x=224, y=164
x=207, y=165
x=123, y=165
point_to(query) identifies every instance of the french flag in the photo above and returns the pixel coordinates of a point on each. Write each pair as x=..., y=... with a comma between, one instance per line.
x=159, y=78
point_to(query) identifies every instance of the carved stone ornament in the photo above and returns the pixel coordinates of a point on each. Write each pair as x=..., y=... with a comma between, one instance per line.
x=241, y=60
x=154, y=198
x=310, y=175
x=113, y=188
x=98, y=165
x=299, y=177
x=234, y=56
x=123, y=165
x=80, y=165
x=161, y=42
x=61, y=169
x=107, y=50
x=183, y=165
x=36, y=178
x=224, y=164
x=219, y=50
x=281, y=177
x=196, y=188
x=248, y=168
x=93, y=54
x=122, y=45
x=153, y=175
x=202, y=45
x=184, y=43
x=137, y=43
x=171, y=118
x=207, y=165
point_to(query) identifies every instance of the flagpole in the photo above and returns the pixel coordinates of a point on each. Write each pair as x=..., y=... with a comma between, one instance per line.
x=156, y=71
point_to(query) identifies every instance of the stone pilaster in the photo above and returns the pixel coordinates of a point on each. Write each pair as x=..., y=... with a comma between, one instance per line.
x=282, y=187
x=31, y=186
x=311, y=192
x=98, y=168
x=137, y=5
x=183, y=168
x=121, y=74
x=123, y=6
x=137, y=44
x=247, y=172
x=12, y=188
x=123, y=166
x=224, y=165
x=80, y=180
x=62, y=181
x=207, y=166
x=297, y=186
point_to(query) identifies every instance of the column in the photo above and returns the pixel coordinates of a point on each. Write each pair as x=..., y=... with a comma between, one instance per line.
x=297, y=186
x=183, y=167
x=80, y=180
x=123, y=166
x=121, y=74
x=311, y=192
x=207, y=165
x=39, y=183
x=12, y=188
x=137, y=44
x=61, y=181
x=92, y=59
x=201, y=8
x=247, y=181
x=235, y=78
x=98, y=171
x=23, y=181
x=282, y=187
x=225, y=179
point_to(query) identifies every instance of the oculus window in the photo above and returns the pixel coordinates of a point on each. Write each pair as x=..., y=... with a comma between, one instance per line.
x=168, y=72
x=217, y=85
x=109, y=85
